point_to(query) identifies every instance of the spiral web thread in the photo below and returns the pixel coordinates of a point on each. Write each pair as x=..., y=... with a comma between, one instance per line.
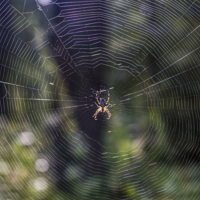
x=51, y=56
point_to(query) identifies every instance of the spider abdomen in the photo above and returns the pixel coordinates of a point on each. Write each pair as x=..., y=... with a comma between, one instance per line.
x=102, y=102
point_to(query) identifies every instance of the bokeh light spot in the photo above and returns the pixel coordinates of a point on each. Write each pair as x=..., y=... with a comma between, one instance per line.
x=44, y=2
x=40, y=184
x=26, y=138
x=41, y=165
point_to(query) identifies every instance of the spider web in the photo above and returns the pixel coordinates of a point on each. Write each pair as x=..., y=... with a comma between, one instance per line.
x=54, y=56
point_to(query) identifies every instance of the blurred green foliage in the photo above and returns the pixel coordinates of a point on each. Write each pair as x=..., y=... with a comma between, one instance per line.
x=131, y=155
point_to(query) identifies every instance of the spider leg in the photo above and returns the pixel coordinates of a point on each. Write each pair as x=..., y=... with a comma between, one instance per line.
x=97, y=97
x=108, y=98
x=109, y=114
x=96, y=104
x=96, y=113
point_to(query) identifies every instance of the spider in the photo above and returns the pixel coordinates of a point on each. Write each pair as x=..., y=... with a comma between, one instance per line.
x=102, y=106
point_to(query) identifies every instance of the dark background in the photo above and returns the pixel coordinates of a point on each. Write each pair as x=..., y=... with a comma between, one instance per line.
x=53, y=59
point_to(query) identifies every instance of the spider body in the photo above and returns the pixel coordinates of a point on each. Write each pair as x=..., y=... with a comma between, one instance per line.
x=102, y=102
x=102, y=106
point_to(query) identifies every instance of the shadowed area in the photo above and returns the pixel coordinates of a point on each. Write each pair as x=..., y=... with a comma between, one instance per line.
x=99, y=99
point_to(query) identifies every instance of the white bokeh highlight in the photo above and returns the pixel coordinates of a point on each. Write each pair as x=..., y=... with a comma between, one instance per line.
x=44, y=2
x=26, y=138
x=41, y=165
x=40, y=184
